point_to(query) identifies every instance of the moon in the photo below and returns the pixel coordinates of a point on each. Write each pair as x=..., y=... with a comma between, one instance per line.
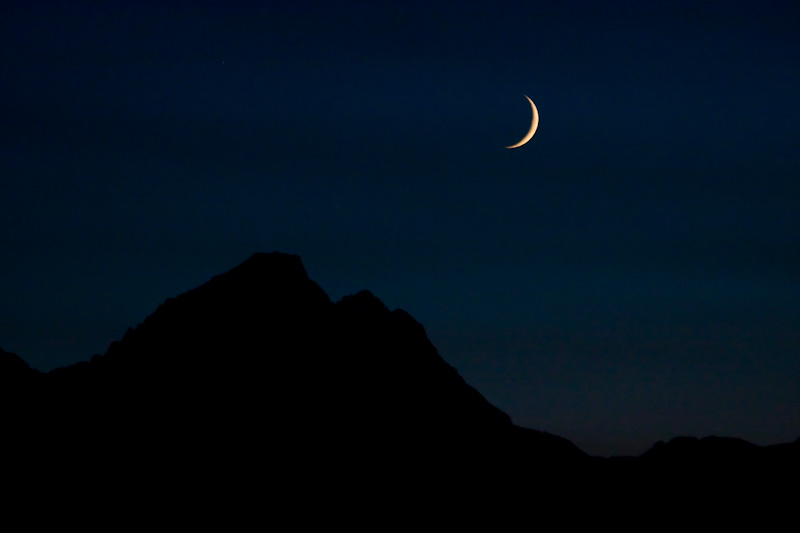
x=534, y=125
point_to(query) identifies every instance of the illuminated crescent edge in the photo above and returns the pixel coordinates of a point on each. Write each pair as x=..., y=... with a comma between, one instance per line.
x=534, y=125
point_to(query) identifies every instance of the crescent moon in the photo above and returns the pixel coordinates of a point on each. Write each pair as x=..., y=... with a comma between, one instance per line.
x=534, y=125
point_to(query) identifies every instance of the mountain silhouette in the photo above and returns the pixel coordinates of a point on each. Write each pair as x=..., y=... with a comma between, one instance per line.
x=257, y=373
x=257, y=359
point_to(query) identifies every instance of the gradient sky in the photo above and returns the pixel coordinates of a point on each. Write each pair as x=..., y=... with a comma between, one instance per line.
x=630, y=275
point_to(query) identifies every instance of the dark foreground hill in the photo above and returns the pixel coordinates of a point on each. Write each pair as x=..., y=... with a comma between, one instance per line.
x=257, y=376
x=259, y=369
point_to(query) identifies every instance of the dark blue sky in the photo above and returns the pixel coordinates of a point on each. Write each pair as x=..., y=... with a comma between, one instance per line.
x=630, y=275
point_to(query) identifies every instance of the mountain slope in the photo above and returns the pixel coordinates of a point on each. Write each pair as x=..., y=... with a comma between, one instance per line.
x=258, y=373
x=259, y=358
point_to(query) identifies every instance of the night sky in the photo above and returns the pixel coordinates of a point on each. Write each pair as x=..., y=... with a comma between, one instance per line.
x=632, y=274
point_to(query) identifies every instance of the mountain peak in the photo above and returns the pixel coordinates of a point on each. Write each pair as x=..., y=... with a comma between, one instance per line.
x=364, y=302
x=274, y=261
x=275, y=278
x=259, y=359
x=273, y=268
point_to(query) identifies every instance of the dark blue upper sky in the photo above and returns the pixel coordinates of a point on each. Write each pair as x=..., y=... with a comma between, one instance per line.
x=631, y=274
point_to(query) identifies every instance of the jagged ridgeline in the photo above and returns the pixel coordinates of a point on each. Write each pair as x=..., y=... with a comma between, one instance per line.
x=260, y=358
x=258, y=371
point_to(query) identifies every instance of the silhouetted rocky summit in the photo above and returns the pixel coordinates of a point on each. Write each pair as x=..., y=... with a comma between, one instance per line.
x=259, y=359
x=258, y=371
